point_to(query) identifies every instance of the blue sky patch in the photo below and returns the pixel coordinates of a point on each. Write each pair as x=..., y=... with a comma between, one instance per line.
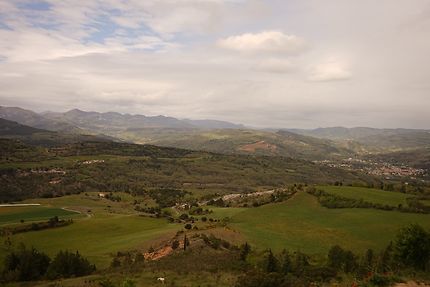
x=35, y=5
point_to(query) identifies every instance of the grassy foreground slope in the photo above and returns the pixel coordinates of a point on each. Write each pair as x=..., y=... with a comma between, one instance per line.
x=99, y=237
x=109, y=227
x=303, y=224
x=368, y=194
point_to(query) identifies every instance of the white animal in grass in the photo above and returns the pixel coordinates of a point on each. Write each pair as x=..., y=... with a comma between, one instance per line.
x=161, y=279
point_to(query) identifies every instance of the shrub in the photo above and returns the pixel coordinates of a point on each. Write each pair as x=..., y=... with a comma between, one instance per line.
x=412, y=247
x=25, y=265
x=175, y=244
x=67, y=264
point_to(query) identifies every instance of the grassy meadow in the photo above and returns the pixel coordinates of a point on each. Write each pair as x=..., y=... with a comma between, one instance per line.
x=106, y=228
x=301, y=223
x=14, y=215
x=372, y=195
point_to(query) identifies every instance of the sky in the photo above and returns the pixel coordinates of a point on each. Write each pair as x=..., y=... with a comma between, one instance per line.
x=262, y=63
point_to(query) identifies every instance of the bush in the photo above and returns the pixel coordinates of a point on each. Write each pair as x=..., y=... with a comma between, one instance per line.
x=175, y=244
x=412, y=247
x=260, y=279
x=67, y=264
x=25, y=265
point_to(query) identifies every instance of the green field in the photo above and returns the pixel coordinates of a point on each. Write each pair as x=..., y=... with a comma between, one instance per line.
x=98, y=237
x=12, y=215
x=368, y=194
x=222, y=212
x=109, y=227
x=301, y=223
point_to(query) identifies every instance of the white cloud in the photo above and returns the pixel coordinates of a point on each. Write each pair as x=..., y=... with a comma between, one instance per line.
x=332, y=70
x=169, y=57
x=266, y=41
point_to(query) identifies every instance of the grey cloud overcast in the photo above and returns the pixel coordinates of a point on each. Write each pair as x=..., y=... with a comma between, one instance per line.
x=272, y=63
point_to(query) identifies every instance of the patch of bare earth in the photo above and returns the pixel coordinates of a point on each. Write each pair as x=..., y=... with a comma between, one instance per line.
x=260, y=145
x=162, y=252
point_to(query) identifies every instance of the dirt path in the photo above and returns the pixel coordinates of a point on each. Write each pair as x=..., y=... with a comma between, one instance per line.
x=88, y=215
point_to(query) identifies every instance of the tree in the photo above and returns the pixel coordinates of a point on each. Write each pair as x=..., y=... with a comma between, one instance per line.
x=244, y=251
x=271, y=264
x=67, y=264
x=186, y=242
x=349, y=262
x=286, y=266
x=386, y=260
x=367, y=263
x=301, y=262
x=139, y=258
x=25, y=265
x=175, y=244
x=412, y=247
x=335, y=257
x=369, y=258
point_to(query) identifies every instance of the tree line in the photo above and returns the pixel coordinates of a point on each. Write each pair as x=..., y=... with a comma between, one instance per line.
x=29, y=264
x=408, y=254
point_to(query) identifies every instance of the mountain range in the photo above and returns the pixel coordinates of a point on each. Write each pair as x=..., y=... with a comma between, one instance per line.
x=213, y=135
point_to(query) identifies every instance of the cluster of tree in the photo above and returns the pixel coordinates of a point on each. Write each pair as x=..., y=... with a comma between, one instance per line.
x=51, y=223
x=156, y=210
x=215, y=242
x=410, y=251
x=112, y=197
x=217, y=202
x=416, y=204
x=26, y=264
x=128, y=259
x=199, y=211
x=158, y=168
x=166, y=197
x=335, y=201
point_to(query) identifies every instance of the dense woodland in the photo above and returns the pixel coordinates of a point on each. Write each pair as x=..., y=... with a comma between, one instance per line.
x=38, y=172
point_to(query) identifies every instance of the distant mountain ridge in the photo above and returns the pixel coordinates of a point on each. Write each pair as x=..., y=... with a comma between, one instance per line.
x=224, y=137
x=372, y=137
x=35, y=136
x=33, y=119
x=117, y=121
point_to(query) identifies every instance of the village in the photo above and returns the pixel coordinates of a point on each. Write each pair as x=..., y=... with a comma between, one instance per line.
x=384, y=169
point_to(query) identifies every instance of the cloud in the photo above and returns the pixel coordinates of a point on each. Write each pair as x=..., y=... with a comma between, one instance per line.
x=332, y=70
x=276, y=65
x=189, y=58
x=266, y=41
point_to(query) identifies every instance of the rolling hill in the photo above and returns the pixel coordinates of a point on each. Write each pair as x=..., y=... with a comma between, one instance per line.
x=240, y=141
x=228, y=138
x=32, y=119
x=35, y=136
